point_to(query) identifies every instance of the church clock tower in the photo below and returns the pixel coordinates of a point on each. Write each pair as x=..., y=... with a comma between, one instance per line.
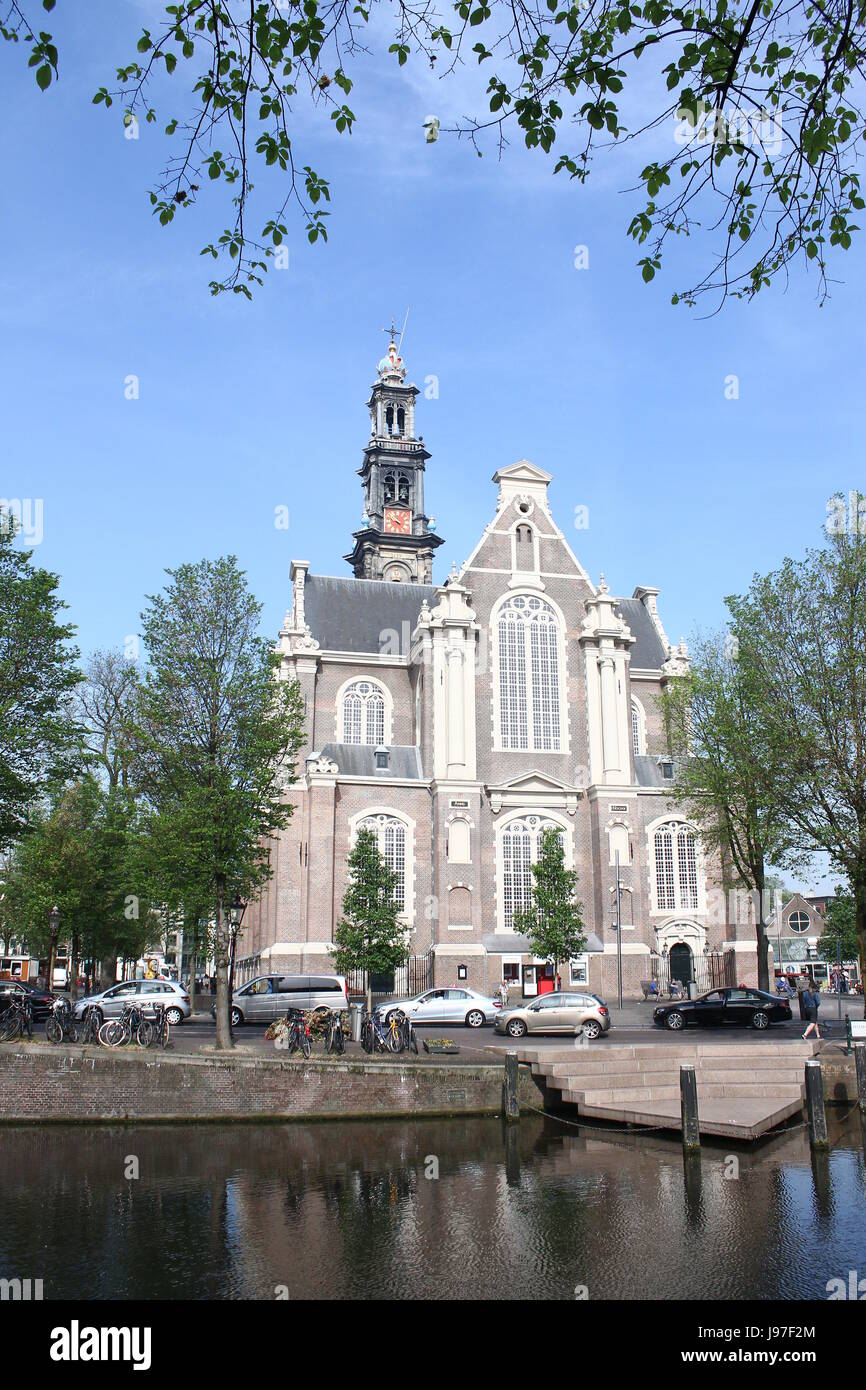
x=395, y=542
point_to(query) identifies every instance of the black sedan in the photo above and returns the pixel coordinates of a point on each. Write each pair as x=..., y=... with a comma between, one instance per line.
x=40, y=1000
x=747, y=1007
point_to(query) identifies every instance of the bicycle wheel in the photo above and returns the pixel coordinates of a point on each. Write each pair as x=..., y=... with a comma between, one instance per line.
x=166, y=1029
x=306, y=1046
x=144, y=1033
x=53, y=1030
x=395, y=1039
x=339, y=1040
x=112, y=1033
x=72, y=1031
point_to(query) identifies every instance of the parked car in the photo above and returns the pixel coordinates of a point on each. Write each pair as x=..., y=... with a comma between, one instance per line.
x=271, y=996
x=41, y=1001
x=110, y=1002
x=457, y=1005
x=746, y=1007
x=563, y=1012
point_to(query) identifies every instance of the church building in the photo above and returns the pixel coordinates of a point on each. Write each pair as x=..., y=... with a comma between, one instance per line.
x=460, y=720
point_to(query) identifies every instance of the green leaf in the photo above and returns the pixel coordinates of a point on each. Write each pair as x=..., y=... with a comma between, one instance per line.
x=43, y=76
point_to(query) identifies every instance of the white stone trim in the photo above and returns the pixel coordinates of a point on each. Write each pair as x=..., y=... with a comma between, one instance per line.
x=443, y=948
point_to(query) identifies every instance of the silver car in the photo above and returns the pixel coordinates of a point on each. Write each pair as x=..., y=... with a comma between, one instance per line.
x=269, y=997
x=145, y=993
x=451, y=1005
x=562, y=1012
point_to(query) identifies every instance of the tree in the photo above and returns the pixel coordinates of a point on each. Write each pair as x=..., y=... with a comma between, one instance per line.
x=553, y=924
x=214, y=740
x=749, y=115
x=714, y=726
x=370, y=935
x=105, y=702
x=38, y=736
x=80, y=854
x=802, y=633
x=840, y=926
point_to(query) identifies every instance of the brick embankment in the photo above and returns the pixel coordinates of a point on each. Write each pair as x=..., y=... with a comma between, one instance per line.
x=41, y=1084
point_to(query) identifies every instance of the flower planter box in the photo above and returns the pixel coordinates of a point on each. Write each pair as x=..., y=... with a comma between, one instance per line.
x=440, y=1046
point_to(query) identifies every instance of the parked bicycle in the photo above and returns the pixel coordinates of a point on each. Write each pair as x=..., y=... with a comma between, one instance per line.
x=407, y=1032
x=88, y=1025
x=373, y=1035
x=299, y=1033
x=334, y=1040
x=60, y=1026
x=131, y=1026
x=160, y=1027
x=16, y=1019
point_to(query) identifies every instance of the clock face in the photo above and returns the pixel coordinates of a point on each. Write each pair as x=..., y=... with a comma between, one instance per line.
x=397, y=521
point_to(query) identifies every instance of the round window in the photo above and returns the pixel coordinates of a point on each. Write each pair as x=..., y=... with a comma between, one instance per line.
x=798, y=921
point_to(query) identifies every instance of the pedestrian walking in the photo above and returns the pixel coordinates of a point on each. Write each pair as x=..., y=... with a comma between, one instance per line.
x=802, y=986
x=811, y=1004
x=503, y=993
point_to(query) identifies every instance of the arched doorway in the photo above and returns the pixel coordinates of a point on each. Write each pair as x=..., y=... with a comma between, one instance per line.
x=680, y=961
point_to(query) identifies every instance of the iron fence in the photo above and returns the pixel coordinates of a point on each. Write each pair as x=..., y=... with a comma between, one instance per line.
x=716, y=970
x=412, y=977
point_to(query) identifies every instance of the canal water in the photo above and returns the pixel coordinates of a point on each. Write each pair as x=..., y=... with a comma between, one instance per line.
x=463, y=1208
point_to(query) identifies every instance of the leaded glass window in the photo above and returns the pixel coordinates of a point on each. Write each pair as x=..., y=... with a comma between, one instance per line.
x=529, y=703
x=364, y=714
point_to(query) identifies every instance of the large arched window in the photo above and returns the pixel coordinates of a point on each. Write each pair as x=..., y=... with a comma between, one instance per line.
x=529, y=700
x=363, y=713
x=520, y=843
x=676, y=867
x=391, y=838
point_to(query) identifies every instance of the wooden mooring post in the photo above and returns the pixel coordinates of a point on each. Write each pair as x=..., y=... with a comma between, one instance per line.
x=512, y=1104
x=860, y=1067
x=815, y=1105
x=689, y=1108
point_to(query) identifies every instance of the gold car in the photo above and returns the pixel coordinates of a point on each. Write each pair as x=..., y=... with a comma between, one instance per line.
x=563, y=1012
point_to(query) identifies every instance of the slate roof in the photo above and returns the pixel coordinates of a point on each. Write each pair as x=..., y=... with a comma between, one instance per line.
x=359, y=760
x=648, y=652
x=648, y=773
x=363, y=615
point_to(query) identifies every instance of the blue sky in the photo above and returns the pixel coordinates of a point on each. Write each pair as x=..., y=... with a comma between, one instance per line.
x=244, y=408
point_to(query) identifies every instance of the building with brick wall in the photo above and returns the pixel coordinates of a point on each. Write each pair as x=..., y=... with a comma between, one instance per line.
x=460, y=720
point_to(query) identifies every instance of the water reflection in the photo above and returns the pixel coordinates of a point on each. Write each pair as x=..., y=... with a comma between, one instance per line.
x=338, y=1210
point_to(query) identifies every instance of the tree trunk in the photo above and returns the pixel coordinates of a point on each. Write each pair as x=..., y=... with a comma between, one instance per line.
x=763, y=966
x=221, y=960
x=859, y=887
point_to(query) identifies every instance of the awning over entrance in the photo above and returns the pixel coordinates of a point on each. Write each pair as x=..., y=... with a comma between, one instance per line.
x=510, y=944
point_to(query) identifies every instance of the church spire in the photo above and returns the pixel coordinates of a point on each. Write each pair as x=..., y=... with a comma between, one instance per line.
x=396, y=541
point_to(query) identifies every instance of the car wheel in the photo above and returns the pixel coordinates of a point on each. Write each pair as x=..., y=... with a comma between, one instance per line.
x=591, y=1029
x=392, y=1013
x=174, y=1017
x=474, y=1018
x=674, y=1021
x=516, y=1028
x=237, y=1018
x=760, y=1021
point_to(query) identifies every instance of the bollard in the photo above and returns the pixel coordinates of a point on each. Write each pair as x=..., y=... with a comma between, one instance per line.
x=512, y=1104
x=689, y=1107
x=815, y=1106
x=860, y=1064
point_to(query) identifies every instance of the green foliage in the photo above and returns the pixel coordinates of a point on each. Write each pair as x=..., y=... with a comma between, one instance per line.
x=370, y=935
x=802, y=633
x=214, y=738
x=38, y=735
x=840, y=926
x=761, y=98
x=553, y=924
x=83, y=855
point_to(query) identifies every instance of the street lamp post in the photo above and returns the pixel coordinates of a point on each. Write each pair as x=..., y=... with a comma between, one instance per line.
x=618, y=930
x=54, y=922
x=237, y=908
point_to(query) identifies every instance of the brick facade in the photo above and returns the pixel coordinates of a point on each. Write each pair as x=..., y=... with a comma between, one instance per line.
x=434, y=655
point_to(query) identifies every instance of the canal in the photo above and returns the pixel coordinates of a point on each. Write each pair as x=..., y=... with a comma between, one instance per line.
x=459, y=1208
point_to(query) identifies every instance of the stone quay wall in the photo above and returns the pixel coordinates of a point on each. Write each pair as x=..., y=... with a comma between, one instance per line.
x=40, y=1084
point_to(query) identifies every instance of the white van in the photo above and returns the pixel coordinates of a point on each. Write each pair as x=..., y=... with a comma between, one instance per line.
x=272, y=996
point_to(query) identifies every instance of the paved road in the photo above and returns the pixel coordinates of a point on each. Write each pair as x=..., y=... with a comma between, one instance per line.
x=475, y=1044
